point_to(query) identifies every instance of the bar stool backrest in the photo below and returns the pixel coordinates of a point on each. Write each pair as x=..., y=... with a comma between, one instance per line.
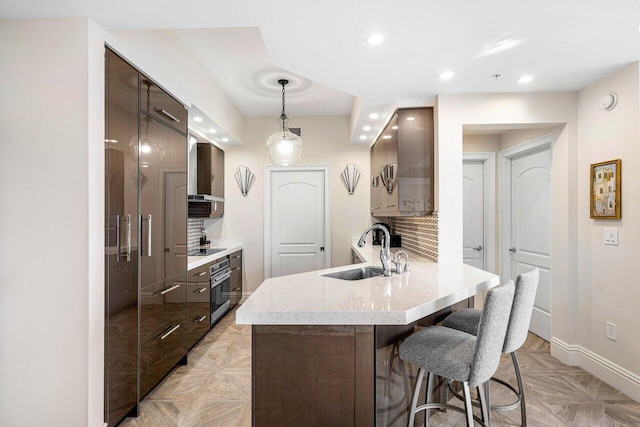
x=491, y=333
x=523, y=299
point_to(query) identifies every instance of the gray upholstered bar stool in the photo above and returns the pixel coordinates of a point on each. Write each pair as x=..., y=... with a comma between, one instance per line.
x=459, y=356
x=468, y=320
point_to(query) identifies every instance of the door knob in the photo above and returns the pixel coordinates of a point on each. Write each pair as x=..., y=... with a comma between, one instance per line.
x=478, y=248
x=513, y=250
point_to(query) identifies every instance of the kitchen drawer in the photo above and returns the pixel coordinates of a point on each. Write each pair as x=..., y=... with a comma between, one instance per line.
x=199, y=274
x=161, y=350
x=160, y=303
x=235, y=259
x=198, y=321
x=199, y=292
x=163, y=106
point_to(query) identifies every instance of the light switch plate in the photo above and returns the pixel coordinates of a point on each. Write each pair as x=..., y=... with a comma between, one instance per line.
x=611, y=331
x=611, y=236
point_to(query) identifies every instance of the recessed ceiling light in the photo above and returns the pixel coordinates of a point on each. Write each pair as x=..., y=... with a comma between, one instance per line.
x=525, y=79
x=386, y=137
x=409, y=119
x=225, y=139
x=446, y=75
x=375, y=39
x=197, y=119
x=366, y=128
x=212, y=130
x=394, y=127
x=373, y=116
x=363, y=137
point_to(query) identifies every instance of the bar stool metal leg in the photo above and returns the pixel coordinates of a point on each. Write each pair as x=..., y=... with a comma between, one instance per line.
x=482, y=397
x=523, y=406
x=427, y=398
x=416, y=394
x=468, y=407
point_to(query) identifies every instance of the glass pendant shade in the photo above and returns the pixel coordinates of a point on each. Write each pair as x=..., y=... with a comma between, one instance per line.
x=284, y=146
x=150, y=151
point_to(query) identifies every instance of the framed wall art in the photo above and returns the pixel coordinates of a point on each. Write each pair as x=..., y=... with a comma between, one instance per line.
x=606, y=195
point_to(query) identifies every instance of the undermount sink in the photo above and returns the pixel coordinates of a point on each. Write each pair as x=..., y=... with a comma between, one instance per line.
x=357, y=273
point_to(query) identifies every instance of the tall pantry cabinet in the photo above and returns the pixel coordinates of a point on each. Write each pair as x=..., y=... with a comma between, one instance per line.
x=145, y=236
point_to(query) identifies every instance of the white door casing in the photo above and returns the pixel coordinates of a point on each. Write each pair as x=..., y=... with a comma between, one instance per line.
x=526, y=225
x=297, y=220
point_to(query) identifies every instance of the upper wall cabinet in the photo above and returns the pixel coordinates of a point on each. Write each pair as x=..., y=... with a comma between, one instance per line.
x=402, y=165
x=161, y=105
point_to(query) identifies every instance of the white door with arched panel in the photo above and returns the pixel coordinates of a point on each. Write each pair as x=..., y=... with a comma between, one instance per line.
x=473, y=241
x=296, y=236
x=527, y=225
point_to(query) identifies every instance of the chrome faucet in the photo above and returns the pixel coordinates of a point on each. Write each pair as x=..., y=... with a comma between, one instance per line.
x=385, y=254
x=398, y=262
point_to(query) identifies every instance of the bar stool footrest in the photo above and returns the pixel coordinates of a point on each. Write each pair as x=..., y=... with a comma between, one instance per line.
x=497, y=408
x=426, y=406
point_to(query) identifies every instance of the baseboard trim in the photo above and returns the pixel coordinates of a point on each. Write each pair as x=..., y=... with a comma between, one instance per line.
x=608, y=371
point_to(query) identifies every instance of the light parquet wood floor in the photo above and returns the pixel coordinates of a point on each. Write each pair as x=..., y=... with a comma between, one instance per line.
x=214, y=389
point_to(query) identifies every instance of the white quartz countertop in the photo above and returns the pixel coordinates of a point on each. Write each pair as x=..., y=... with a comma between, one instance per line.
x=230, y=245
x=312, y=299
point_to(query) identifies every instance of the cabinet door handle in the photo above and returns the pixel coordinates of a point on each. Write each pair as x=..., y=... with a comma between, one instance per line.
x=199, y=291
x=237, y=268
x=128, y=237
x=149, y=237
x=202, y=273
x=118, y=237
x=169, y=332
x=167, y=114
x=200, y=319
x=169, y=289
x=236, y=257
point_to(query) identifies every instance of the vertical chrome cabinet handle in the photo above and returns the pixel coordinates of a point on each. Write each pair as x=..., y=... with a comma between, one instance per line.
x=129, y=237
x=513, y=250
x=149, y=236
x=118, y=237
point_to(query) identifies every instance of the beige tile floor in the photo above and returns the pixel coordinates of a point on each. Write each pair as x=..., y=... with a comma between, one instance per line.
x=214, y=389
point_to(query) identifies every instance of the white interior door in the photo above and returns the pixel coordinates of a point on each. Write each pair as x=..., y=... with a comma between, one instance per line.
x=530, y=231
x=473, y=244
x=297, y=224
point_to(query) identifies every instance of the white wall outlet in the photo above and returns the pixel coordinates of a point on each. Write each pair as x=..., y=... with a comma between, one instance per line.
x=611, y=331
x=611, y=236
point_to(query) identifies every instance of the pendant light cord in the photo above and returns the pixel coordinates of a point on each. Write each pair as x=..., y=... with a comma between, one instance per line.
x=283, y=99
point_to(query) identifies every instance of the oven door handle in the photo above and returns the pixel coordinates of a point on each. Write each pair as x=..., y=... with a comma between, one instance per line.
x=221, y=278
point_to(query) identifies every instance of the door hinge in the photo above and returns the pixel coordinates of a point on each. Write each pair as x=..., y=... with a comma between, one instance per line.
x=321, y=248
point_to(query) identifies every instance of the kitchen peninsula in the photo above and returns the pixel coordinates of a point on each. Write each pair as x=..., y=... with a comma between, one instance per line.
x=324, y=349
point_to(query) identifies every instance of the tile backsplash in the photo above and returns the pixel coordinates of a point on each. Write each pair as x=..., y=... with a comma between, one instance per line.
x=194, y=227
x=419, y=234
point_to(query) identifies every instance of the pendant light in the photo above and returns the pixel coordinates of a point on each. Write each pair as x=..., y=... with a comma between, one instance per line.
x=148, y=149
x=284, y=146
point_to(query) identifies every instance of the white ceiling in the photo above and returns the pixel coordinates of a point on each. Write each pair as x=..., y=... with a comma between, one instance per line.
x=238, y=61
x=565, y=45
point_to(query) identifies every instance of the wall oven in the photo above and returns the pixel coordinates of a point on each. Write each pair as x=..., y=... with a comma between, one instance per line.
x=220, y=279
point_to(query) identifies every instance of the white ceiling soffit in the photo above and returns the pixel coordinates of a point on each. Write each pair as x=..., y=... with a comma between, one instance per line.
x=208, y=129
x=238, y=61
x=564, y=45
x=493, y=129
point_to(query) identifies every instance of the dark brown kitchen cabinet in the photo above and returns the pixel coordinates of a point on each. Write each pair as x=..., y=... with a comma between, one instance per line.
x=235, y=264
x=210, y=170
x=198, y=304
x=161, y=105
x=161, y=350
x=402, y=165
x=145, y=236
